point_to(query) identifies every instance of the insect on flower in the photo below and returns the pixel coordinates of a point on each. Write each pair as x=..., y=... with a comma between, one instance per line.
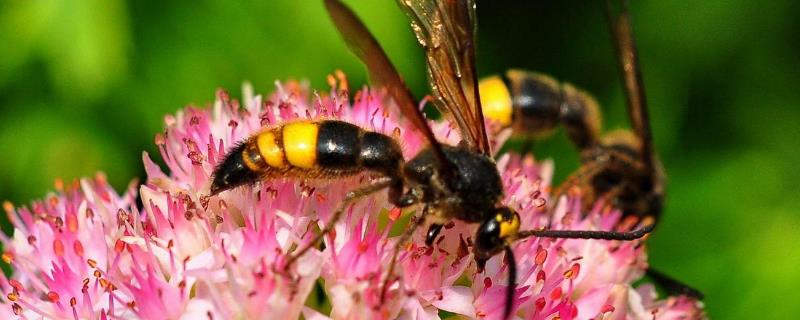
x=449, y=182
x=620, y=167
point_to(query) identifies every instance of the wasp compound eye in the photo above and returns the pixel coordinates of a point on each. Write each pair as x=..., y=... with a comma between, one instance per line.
x=487, y=240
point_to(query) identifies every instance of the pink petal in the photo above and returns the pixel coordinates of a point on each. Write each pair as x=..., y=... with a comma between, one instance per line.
x=456, y=300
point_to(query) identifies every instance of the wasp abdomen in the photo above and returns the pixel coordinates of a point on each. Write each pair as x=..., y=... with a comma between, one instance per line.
x=534, y=104
x=344, y=146
x=536, y=100
x=338, y=145
x=308, y=149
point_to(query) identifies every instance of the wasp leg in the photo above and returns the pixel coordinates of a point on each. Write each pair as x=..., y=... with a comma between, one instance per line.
x=512, y=282
x=602, y=176
x=588, y=234
x=399, y=245
x=578, y=178
x=433, y=232
x=672, y=286
x=351, y=197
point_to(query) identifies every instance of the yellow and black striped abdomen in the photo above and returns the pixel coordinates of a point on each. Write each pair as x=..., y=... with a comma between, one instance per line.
x=534, y=104
x=530, y=102
x=307, y=149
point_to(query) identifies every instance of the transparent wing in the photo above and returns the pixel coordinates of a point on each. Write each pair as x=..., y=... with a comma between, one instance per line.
x=446, y=30
x=627, y=58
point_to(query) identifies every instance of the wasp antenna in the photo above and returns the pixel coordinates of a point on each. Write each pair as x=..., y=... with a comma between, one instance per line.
x=588, y=234
x=673, y=286
x=512, y=283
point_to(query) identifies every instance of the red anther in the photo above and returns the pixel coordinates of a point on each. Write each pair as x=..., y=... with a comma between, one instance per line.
x=556, y=294
x=439, y=295
x=122, y=217
x=160, y=140
x=541, y=256
x=58, y=247
x=53, y=201
x=77, y=247
x=196, y=157
x=8, y=207
x=7, y=257
x=573, y=272
x=16, y=308
x=540, y=303
x=52, y=296
x=59, y=223
x=119, y=245
x=363, y=246
x=16, y=285
x=72, y=223
x=330, y=80
x=395, y=213
x=573, y=310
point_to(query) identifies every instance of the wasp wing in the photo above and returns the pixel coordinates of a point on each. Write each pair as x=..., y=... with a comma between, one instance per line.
x=446, y=30
x=381, y=70
x=628, y=61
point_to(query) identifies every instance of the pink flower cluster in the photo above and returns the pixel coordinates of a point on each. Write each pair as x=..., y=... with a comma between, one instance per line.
x=87, y=252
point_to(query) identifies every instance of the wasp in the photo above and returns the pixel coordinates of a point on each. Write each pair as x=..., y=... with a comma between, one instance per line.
x=448, y=181
x=620, y=167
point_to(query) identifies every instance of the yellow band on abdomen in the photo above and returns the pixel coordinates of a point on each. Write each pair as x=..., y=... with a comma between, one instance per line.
x=495, y=100
x=270, y=151
x=300, y=143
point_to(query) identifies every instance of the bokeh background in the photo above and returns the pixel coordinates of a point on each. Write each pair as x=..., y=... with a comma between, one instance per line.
x=84, y=86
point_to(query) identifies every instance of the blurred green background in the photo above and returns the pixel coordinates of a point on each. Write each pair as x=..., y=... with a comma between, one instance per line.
x=84, y=85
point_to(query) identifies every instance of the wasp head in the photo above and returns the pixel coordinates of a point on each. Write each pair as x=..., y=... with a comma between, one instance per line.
x=494, y=234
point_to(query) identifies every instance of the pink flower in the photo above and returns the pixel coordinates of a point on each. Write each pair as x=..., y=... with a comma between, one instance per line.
x=88, y=252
